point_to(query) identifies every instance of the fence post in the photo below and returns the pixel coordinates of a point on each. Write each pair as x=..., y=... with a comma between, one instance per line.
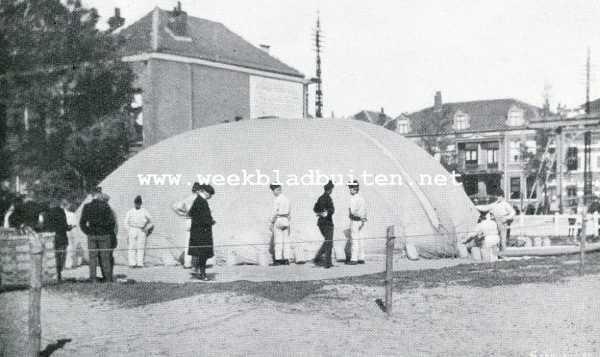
x=521, y=224
x=582, y=243
x=556, y=225
x=389, y=269
x=36, y=250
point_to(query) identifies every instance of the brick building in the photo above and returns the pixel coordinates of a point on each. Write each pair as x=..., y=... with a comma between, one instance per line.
x=483, y=139
x=193, y=72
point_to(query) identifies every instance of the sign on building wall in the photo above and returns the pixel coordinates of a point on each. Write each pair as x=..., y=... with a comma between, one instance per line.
x=275, y=97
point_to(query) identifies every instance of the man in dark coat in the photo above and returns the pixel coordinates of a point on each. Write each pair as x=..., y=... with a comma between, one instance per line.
x=97, y=221
x=201, y=240
x=56, y=221
x=324, y=210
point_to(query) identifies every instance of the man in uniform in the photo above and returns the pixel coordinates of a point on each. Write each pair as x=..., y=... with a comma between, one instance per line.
x=98, y=223
x=280, y=223
x=324, y=209
x=182, y=208
x=358, y=217
x=503, y=214
x=137, y=221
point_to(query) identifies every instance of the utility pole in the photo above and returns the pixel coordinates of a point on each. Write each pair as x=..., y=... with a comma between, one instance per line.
x=317, y=79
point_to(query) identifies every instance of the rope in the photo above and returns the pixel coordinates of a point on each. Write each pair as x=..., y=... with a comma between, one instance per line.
x=268, y=243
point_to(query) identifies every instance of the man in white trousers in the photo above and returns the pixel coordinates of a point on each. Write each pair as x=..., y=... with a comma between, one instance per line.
x=280, y=223
x=182, y=208
x=137, y=221
x=358, y=217
x=71, y=261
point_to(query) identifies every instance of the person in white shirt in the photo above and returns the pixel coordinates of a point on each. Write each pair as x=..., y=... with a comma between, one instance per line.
x=71, y=259
x=182, y=208
x=358, y=217
x=486, y=237
x=280, y=226
x=137, y=221
x=503, y=214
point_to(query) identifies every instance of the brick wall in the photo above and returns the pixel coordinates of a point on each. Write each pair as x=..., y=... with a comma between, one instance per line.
x=15, y=263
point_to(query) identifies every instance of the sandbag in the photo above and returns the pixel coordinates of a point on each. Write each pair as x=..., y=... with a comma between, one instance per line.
x=411, y=252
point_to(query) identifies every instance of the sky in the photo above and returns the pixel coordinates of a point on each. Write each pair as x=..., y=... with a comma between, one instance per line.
x=396, y=54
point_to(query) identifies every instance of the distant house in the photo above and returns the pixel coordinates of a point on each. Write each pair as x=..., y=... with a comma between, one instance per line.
x=485, y=139
x=193, y=72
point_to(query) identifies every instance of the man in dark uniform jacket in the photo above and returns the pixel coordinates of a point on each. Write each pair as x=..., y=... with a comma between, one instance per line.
x=201, y=240
x=324, y=210
x=97, y=221
x=56, y=221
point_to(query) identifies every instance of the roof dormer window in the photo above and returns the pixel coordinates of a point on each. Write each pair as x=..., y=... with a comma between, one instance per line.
x=515, y=116
x=403, y=125
x=461, y=121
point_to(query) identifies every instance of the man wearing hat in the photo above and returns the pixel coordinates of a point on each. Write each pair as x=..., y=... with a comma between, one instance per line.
x=182, y=208
x=324, y=210
x=201, y=239
x=358, y=217
x=137, y=221
x=98, y=223
x=280, y=223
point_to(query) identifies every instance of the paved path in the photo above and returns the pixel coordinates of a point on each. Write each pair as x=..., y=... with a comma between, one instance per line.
x=293, y=272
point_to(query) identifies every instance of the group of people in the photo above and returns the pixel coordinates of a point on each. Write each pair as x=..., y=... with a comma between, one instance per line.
x=493, y=228
x=324, y=209
x=196, y=210
x=99, y=222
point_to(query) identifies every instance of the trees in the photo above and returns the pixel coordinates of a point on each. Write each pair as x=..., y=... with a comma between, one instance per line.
x=437, y=137
x=64, y=95
x=539, y=163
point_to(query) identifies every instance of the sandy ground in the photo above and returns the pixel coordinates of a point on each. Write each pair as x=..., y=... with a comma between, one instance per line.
x=293, y=272
x=538, y=319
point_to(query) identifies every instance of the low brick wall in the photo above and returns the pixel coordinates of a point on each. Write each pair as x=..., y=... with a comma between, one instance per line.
x=15, y=261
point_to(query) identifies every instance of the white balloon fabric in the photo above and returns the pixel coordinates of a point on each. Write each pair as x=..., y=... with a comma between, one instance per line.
x=412, y=191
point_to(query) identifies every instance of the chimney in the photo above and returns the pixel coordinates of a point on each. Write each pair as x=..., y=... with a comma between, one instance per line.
x=178, y=21
x=115, y=21
x=437, y=103
x=264, y=47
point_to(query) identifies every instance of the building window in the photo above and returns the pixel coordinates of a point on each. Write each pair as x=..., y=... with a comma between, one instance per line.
x=491, y=149
x=531, y=193
x=515, y=151
x=515, y=188
x=461, y=121
x=572, y=195
x=403, y=127
x=137, y=110
x=572, y=159
x=515, y=116
x=471, y=154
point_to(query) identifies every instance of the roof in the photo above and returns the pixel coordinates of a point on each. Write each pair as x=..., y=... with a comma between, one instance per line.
x=373, y=117
x=484, y=115
x=207, y=40
x=594, y=106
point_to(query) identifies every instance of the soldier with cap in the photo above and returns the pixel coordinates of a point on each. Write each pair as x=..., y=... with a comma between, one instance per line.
x=280, y=225
x=201, y=239
x=324, y=210
x=358, y=217
x=182, y=208
x=138, y=223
